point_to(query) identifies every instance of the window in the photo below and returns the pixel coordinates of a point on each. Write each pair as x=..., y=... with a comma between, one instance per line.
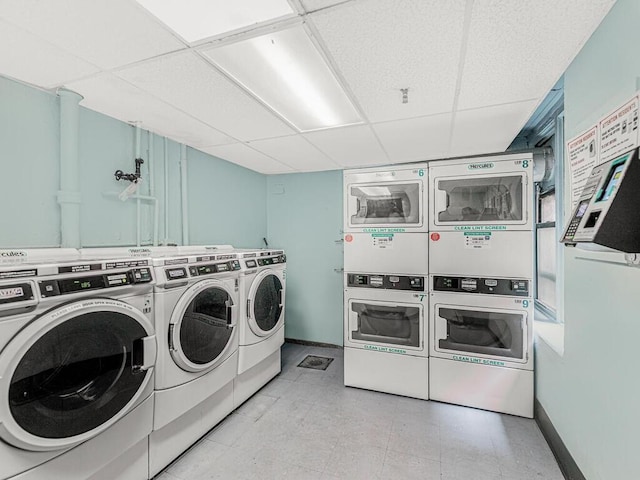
x=548, y=229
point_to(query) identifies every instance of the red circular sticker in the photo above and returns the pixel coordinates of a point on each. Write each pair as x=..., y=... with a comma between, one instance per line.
x=348, y=238
x=435, y=237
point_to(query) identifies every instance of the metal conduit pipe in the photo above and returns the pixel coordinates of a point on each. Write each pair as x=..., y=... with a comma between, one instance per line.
x=137, y=155
x=166, y=191
x=152, y=188
x=183, y=189
x=69, y=196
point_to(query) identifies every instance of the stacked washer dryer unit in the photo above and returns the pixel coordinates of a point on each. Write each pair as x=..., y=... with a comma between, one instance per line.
x=386, y=267
x=197, y=311
x=77, y=357
x=481, y=272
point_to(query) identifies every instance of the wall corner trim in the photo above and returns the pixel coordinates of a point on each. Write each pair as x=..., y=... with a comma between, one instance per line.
x=567, y=464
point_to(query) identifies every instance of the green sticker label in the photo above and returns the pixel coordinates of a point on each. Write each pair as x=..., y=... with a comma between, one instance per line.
x=478, y=234
x=382, y=235
x=385, y=349
x=479, y=227
x=480, y=361
x=383, y=230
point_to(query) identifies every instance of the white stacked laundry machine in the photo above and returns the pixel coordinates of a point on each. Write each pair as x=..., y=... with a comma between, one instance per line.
x=77, y=361
x=481, y=274
x=386, y=267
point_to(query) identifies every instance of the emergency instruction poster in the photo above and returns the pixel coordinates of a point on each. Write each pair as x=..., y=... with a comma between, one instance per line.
x=619, y=131
x=582, y=152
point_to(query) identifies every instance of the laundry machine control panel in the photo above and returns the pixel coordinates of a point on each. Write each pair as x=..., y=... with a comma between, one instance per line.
x=67, y=285
x=271, y=260
x=211, y=268
x=387, y=282
x=496, y=286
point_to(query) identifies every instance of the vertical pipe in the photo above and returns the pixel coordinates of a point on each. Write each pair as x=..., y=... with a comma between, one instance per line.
x=183, y=189
x=137, y=155
x=166, y=192
x=69, y=196
x=152, y=187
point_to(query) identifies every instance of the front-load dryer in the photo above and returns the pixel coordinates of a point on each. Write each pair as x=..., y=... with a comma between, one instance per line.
x=77, y=356
x=385, y=333
x=481, y=216
x=197, y=298
x=385, y=219
x=481, y=343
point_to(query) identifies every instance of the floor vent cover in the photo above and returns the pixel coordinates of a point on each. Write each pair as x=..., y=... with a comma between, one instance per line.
x=317, y=363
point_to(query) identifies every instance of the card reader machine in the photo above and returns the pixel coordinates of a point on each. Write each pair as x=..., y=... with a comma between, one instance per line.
x=607, y=213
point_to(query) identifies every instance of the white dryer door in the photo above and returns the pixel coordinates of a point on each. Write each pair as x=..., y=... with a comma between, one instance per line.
x=265, y=304
x=73, y=372
x=202, y=325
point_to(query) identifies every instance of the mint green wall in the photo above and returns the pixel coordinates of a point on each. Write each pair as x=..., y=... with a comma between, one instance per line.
x=305, y=218
x=29, y=142
x=228, y=202
x=592, y=392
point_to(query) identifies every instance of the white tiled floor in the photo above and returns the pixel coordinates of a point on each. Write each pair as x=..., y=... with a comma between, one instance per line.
x=305, y=424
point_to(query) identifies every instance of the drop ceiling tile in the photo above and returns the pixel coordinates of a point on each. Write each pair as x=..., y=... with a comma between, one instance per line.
x=488, y=129
x=296, y=152
x=107, y=33
x=423, y=138
x=349, y=146
x=116, y=98
x=313, y=5
x=189, y=83
x=509, y=60
x=30, y=59
x=247, y=157
x=381, y=46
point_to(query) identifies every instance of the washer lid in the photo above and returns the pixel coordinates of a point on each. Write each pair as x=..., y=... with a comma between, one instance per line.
x=266, y=303
x=202, y=325
x=73, y=372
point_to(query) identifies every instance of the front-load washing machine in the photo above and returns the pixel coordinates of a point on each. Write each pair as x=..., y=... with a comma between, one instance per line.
x=481, y=216
x=385, y=216
x=261, y=327
x=481, y=345
x=77, y=357
x=385, y=334
x=197, y=299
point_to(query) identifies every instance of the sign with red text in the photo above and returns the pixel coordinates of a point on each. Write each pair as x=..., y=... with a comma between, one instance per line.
x=619, y=131
x=582, y=154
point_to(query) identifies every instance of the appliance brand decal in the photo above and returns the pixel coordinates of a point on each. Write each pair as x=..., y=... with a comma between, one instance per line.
x=480, y=166
x=14, y=292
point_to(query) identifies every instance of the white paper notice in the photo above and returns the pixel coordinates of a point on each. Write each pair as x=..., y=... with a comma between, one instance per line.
x=619, y=131
x=582, y=152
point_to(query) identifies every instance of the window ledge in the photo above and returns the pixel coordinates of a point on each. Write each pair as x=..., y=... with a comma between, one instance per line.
x=550, y=333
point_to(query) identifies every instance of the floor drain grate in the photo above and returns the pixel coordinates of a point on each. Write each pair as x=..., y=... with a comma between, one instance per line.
x=317, y=363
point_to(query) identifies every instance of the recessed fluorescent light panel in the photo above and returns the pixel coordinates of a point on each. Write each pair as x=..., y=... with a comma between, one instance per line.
x=286, y=71
x=195, y=20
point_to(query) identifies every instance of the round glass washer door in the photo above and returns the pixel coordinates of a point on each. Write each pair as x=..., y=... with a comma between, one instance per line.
x=266, y=303
x=202, y=327
x=73, y=372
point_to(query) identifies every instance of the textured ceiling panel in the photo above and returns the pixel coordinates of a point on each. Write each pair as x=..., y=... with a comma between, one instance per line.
x=510, y=60
x=313, y=5
x=489, y=129
x=114, y=97
x=26, y=57
x=108, y=33
x=349, y=146
x=245, y=156
x=191, y=84
x=296, y=152
x=381, y=46
x=423, y=138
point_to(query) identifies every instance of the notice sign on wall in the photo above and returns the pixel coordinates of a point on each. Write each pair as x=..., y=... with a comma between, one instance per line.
x=619, y=131
x=582, y=152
